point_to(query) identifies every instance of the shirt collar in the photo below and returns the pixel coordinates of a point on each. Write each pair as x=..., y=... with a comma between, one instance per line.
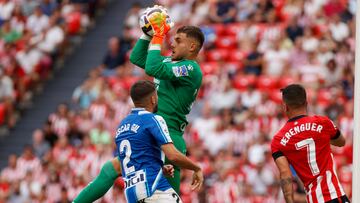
x=296, y=118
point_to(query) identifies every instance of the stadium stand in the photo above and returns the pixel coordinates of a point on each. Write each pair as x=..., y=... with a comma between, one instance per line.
x=35, y=36
x=253, y=48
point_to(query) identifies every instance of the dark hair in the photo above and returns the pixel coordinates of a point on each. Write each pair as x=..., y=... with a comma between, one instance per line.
x=193, y=32
x=294, y=95
x=140, y=90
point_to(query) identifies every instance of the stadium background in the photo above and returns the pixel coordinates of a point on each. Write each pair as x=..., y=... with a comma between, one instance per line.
x=252, y=49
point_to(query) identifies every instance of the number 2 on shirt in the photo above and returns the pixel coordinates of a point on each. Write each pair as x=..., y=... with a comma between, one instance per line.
x=126, y=147
x=311, y=154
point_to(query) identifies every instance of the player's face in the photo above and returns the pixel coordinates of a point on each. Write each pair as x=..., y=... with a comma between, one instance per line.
x=180, y=47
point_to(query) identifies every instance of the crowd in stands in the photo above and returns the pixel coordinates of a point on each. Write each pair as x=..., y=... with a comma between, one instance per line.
x=34, y=36
x=252, y=49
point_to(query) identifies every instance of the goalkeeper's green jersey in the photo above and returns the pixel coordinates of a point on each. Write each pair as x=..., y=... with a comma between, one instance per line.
x=178, y=82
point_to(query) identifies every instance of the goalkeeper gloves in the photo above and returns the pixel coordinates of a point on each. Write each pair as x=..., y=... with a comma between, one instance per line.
x=160, y=26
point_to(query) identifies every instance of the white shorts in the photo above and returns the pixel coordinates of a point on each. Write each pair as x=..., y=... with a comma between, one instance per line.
x=167, y=196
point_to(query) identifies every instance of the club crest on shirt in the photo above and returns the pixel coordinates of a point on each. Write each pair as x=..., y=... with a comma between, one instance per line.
x=180, y=71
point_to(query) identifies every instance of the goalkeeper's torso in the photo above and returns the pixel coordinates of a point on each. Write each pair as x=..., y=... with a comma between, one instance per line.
x=177, y=97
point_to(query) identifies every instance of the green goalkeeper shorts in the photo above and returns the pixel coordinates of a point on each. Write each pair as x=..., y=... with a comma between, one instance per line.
x=179, y=142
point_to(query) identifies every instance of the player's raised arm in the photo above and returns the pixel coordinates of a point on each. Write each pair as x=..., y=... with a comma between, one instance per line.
x=285, y=178
x=154, y=61
x=139, y=53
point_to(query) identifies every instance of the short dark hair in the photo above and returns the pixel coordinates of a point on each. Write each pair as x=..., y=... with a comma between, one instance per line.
x=193, y=32
x=140, y=90
x=294, y=95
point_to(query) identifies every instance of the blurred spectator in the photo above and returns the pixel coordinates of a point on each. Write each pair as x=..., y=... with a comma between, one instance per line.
x=100, y=135
x=40, y=146
x=276, y=60
x=132, y=17
x=52, y=37
x=223, y=11
x=6, y=9
x=48, y=6
x=253, y=62
x=84, y=95
x=28, y=162
x=251, y=97
x=199, y=11
x=294, y=30
x=38, y=21
x=64, y=196
x=8, y=34
x=339, y=30
x=12, y=172
x=59, y=121
x=114, y=58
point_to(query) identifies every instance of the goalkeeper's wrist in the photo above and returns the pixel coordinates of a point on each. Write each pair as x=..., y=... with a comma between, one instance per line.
x=145, y=37
x=157, y=40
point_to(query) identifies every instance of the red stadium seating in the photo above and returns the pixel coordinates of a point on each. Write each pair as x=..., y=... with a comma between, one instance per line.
x=220, y=29
x=265, y=83
x=209, y=68
x=2, y=113
x=241, y=82
x=236, y=55
x=226, y=42
x=233, y=29
x=217, y=55
x=285, y=81
x=323, y=97
x=275, y=95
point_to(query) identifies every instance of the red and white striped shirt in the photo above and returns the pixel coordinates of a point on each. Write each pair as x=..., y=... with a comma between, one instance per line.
x=305, y=142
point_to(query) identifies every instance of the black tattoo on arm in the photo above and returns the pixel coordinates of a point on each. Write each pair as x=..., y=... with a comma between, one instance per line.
x=287, y=188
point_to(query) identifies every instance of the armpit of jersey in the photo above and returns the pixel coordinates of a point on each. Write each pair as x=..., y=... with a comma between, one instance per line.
x=277, y=154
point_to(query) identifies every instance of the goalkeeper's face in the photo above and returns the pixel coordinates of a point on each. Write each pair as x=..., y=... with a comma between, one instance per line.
x=182, y=47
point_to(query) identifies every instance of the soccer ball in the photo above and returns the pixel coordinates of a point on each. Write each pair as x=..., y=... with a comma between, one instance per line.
x=144, y=22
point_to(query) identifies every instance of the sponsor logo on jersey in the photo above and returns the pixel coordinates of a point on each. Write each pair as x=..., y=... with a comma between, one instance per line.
x=180, y=71
x=135, y=178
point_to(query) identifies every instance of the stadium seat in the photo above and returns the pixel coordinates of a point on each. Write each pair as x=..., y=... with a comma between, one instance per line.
x=233, y=29
x=323, y=97
x=217, y=55
x=275, y=95
x=285, y=81
x=209, y=68
x=241, y=82
x=2, y=113
x=236, y=55
x=265, y=83
x=226, y=42
x=220, y=29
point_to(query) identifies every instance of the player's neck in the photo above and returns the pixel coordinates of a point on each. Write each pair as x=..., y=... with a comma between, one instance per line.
x=295, y=113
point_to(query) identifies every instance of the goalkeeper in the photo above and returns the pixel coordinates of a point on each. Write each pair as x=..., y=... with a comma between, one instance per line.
x=178, y=79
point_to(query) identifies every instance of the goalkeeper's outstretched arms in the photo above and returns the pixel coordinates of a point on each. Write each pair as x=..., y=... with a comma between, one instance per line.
x=101, y=184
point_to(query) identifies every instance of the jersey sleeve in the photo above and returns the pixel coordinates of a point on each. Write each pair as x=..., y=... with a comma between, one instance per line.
x=156, y=67
x=159, y=130
x=331, y=129
x=139, y=53
x=275, y=149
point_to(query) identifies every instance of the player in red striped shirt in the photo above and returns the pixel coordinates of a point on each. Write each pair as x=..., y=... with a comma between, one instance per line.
x=304, y=142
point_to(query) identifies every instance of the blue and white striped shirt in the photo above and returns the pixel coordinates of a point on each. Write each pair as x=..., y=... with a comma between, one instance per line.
x=139, y=138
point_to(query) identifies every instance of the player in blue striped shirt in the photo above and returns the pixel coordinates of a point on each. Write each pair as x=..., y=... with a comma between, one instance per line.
x=143, y=141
